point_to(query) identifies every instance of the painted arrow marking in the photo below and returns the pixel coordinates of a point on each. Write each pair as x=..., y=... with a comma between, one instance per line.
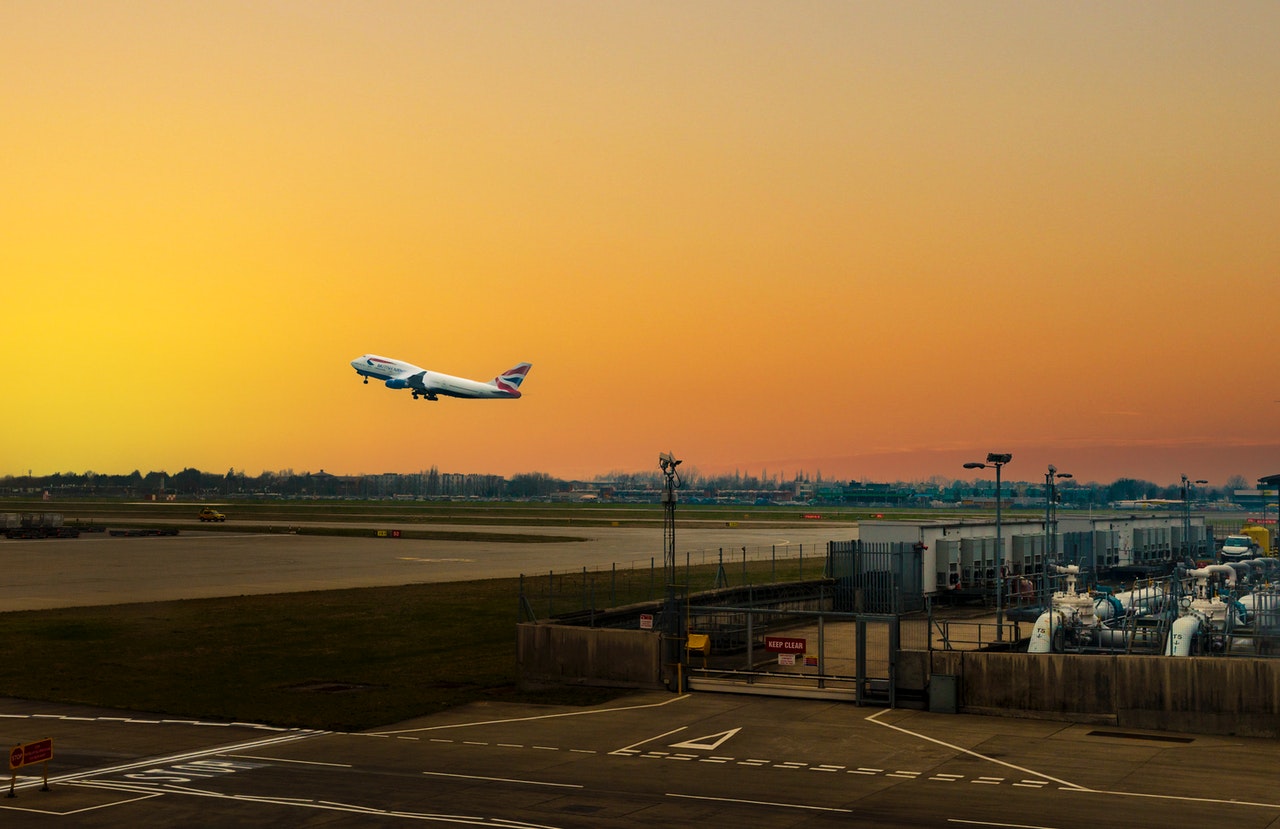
x=708, y=743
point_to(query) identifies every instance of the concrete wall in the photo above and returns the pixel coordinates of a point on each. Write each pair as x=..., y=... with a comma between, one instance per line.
x=1198, y=695
x=549, y=654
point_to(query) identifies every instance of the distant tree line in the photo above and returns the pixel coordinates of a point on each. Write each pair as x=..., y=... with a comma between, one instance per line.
x=432, y=483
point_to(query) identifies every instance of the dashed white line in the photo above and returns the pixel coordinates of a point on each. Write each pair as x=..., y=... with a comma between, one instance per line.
x=283, y=760
x=760, y=803
x=504, y=780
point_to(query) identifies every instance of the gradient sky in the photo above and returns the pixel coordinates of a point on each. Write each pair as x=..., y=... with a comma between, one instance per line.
x=870, y=239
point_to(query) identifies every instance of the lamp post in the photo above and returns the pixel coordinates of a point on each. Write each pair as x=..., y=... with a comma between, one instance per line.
x=670, y=626
x=1188, y=486
x=1050, y=528
x=998, y=460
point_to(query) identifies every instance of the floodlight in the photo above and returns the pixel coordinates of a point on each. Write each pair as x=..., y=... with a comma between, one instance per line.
x=975, y=466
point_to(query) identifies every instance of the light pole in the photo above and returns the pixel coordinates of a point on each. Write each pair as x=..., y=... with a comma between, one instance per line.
x=997, y=460
x=1187, y=487
x=1050, y=529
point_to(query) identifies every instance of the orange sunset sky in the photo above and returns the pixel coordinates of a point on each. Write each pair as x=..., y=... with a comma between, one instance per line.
x=870, y=239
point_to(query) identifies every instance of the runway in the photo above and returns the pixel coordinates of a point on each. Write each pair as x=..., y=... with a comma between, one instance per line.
x=100, y=569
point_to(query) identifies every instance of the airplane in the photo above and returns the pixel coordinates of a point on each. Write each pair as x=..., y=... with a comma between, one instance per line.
x=429, y=384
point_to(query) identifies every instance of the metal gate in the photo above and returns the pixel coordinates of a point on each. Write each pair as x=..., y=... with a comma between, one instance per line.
x=844, y=639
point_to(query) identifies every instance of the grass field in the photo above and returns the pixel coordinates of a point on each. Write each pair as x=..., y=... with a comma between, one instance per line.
x=344, y=659
x=341, y=659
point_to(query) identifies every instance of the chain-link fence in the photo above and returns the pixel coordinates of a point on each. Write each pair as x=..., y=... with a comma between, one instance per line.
x=573, y=593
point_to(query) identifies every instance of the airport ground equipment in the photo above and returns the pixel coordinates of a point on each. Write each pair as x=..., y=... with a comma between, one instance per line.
x=36, y=525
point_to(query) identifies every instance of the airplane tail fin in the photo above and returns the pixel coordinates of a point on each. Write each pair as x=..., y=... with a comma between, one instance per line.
x=510, y=380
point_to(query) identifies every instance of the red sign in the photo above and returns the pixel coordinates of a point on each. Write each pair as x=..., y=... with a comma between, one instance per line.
x=784, y=644
x=37, y=752
x=812, y=515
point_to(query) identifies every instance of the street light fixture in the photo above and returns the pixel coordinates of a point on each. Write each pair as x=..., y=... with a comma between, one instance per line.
x=998, y=460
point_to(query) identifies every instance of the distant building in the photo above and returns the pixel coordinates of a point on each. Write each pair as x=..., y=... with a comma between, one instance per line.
x=962, y=555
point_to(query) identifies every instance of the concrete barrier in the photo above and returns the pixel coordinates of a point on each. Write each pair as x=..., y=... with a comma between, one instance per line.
x=548, y=655
x=1200, y=695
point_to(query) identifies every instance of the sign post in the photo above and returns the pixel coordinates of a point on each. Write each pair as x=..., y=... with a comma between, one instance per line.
x=40, y=751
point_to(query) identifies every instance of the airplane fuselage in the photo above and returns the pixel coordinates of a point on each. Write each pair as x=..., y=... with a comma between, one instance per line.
x=397, y=374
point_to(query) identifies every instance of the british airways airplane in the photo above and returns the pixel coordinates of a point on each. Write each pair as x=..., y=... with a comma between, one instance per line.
x=429, y=384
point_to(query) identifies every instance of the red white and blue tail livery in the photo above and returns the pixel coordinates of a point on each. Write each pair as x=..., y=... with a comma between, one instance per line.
x=396, y=374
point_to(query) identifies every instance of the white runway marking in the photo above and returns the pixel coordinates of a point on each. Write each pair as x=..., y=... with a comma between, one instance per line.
x=1003, y=825
x=504, y=780
x=962, y=750
x=528, y=719
x=760, y=803
x=710, y=742
x=633, y=747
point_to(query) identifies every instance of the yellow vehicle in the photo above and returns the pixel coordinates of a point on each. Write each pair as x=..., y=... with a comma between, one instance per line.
x=1261, y=537
x=211, y=514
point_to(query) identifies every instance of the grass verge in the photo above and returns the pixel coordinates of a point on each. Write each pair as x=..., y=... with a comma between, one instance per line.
x=338, y=659
x=342, y=659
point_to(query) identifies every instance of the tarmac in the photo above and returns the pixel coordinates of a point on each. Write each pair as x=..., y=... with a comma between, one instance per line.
x=653, y=759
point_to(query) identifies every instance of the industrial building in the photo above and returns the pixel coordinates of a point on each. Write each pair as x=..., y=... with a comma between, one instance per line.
x=962, y=555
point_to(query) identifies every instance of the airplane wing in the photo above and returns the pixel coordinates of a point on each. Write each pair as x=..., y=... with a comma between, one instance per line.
x=418, y=383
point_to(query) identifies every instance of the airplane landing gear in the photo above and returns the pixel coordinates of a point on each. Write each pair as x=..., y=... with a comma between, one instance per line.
x=366, y=381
